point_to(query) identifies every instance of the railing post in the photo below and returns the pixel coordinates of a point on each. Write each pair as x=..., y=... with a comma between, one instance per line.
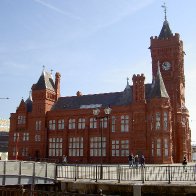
x=46, y=173
x=118, y=173
x=169, y=174
x=75, y=172
x=33, y=180
x=4, y=172
x=19, y=173
x=142, y=173
x=96, y=173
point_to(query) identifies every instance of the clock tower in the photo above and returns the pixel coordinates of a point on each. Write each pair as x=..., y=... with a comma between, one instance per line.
x=167, y=49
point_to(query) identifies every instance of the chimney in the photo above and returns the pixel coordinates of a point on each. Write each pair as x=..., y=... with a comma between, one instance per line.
x=57, y=84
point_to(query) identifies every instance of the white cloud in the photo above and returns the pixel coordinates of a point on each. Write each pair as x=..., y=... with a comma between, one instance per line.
x=65, y=13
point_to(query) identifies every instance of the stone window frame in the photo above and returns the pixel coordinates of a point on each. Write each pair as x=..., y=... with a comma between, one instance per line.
x=76, y=146
x=55, y=146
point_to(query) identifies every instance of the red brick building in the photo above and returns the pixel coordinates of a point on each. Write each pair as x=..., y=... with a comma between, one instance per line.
x=149, y=119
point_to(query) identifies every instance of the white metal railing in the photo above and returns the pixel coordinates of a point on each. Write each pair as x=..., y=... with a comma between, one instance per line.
x=26, y=172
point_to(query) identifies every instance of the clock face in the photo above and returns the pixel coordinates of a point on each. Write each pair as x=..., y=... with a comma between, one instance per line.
x=166, y=65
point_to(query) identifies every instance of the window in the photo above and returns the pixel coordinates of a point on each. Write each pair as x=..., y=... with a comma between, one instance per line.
x=166, y=147
x=37, y=138
x=81, y=123
x=165, y=121
x=55, y=147
x=72, y=123
x=95, y=146
x=152, y=122
x=21, y=120
x=124, y=123
x=158, y=147
x=25, y=136
x=120, y=148
x=115, y=148
x=157, y=121
x=60, y=124
x=16, y=137
x=93, y=123
x=38, y=125
x=104, y=122
x=24, y=151
x=124, y=148
x=76, y=146
x=113, y=123
x=152, y=149
x=14, y=151
x=52, y=125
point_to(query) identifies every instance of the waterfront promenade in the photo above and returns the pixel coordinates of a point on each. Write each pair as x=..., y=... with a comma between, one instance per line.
x=123, y=173
x=84, y=179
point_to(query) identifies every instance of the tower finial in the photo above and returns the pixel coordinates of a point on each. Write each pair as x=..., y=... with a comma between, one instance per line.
x=127, y=81
x=165, y=10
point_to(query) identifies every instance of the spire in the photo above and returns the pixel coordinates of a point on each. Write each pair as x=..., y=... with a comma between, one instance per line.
x=158, y=89
x=127, y=86
x=165, y=31
x=45, y=81
x=29, y=102
x=165, y=10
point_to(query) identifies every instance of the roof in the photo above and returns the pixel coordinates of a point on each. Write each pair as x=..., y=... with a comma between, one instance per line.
x=165, y=31
x=158, y=87
x=45, y=82
x=95, y=100
x=29, y=103
x=110, y=99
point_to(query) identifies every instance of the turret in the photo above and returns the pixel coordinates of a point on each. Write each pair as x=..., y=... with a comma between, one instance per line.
x=138, y=88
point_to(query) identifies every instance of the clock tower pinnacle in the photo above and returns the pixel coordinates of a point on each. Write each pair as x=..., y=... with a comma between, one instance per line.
x=167, y=48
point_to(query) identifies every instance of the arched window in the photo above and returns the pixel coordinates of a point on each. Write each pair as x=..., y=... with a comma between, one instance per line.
x=166, y=153
x=158, y=118
x=93, y=123
x=158, y=147
x=124, y=123
x=72, y=123
x=113, y=123
x=152, y=148
x=165, y=121
x=81, y=123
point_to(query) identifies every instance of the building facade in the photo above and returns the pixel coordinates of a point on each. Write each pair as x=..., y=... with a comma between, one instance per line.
x=149, y=119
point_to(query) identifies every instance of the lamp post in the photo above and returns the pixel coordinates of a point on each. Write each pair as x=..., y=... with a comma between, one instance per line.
x=4, y=97
x=17, y=140
x=96, y=113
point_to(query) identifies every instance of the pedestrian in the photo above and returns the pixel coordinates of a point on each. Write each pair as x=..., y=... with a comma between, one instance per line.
x=131, y=160
x=136, y=161
x=142, y=161
x=64, y=159
x=184, y=163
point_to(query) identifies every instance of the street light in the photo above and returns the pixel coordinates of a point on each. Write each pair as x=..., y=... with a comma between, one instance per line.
x=107, y=112
x=4, y=97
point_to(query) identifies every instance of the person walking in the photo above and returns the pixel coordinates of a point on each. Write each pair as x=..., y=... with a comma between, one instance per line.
x=131, y=160
x=142, y=161
x=136, y=161
x=184, y=163
x=64, y=159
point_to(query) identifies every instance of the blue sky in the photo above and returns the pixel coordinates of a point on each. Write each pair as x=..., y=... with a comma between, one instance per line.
x=94, y=44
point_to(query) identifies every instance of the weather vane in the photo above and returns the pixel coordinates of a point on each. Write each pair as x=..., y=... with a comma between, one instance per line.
x=165, y=10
